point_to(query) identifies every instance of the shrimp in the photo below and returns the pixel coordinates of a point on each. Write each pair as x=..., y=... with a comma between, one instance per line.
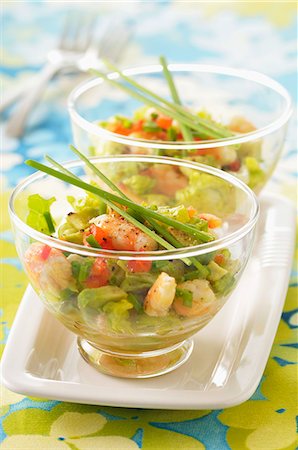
x=160, y=296
x=202, y=302
x=241, y=125
x=122, y=235
x=168, y=179
x=48, y=268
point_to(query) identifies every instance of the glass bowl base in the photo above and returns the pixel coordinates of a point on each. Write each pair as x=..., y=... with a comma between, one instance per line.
x=136, y=365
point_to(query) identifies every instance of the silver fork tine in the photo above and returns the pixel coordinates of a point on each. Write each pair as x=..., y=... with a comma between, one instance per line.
x=64, y=36
x=90, y=31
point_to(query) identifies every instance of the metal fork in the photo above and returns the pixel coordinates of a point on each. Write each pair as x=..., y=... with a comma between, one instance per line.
x=74, y=42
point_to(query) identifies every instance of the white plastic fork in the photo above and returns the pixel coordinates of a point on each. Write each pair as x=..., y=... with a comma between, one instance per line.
x=74, y=41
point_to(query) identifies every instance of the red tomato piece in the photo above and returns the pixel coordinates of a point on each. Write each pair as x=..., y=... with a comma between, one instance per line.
x=219, y=259
x=139, y=266
x=45, y=252
x=213, y=221
x=164, y=122
x=99, y=274
x=100, y=236
x=235, y=166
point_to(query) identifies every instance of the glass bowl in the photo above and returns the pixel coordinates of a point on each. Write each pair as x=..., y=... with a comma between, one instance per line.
x=254, y=106
x=126, y=306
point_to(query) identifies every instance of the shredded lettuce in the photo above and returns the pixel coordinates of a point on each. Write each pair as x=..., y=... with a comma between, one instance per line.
x=39, y=216
x=140, y=184
x=89, y=203
x=208, y=193
x=118, y=314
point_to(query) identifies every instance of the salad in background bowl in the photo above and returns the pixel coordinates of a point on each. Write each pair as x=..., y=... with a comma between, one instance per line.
x=132, y=268
x=234, y=120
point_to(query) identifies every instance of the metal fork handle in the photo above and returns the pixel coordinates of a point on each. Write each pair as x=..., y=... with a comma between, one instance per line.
x=16, y=123
x=12, y=94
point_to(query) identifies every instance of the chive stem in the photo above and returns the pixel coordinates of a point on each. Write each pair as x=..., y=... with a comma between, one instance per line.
x=109, y=197
x=171, y=112
x=186, y=132
x=211, y=128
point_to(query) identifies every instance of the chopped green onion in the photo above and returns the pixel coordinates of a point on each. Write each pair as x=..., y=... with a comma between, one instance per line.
x=187, y=296
x=187, y=134
x=205, y=126
x=47, y=215
x=194, y=122
x=92, y=241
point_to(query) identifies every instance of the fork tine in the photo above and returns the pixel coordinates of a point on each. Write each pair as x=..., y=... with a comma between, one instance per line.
x=77, y=32
x=65, y=32
x=90, y=32
x=113, y=43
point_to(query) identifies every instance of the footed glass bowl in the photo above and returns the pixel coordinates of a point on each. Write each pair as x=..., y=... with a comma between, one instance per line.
x=135, y=311
x=252, y=106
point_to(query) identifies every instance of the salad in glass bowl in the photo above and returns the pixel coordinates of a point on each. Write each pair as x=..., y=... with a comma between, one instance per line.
x=134, y=254
x=234, y=120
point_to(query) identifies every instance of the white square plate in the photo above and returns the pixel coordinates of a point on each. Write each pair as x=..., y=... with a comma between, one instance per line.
x=41, y=357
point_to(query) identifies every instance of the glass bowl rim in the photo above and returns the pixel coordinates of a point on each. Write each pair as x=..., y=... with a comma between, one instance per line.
x=159, y=255
x=244, y=74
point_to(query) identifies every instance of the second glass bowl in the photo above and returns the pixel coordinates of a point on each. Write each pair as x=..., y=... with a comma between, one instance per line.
x=255, y=107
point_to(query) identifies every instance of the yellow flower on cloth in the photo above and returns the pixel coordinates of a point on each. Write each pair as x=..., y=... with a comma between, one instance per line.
x=270, y=423
x=66, y=432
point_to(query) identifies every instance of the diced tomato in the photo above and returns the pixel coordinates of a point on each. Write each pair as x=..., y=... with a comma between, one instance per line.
x=219, y=259
x=191, y=211
x=99, y=274
x=45, y=252
x=100, y=235
x=164, y=122
x=235, y=166
x=139, y=266
x=137, y=126
x=213, y=221
x=119, y=128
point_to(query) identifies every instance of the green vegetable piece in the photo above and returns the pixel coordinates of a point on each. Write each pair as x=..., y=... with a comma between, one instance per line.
x=89, y=206
x=92, y=241
x=215, y=271
x=118, y=314
x=174, y=268
x=140, y=184
x=208, y=193
x=201, y=273
x=97, y=297
x=68, y=233
x=39, y=216
x=179, y=213
x=256, y=174
x=138, y=281
x=224, y=285
x=81, y=268
x=187, y=296
x=171, y=134
x=158, y=325
x=134, y=300
x=72, y=230
x=151, y=127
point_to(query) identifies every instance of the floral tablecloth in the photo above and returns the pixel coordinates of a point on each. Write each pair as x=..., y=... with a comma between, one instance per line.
x=253, y=35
